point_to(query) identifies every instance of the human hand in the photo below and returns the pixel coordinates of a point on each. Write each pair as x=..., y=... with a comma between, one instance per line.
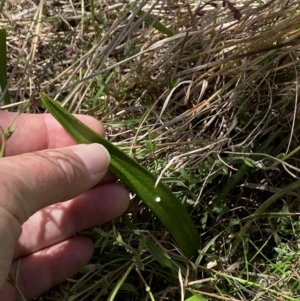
x=37, y=222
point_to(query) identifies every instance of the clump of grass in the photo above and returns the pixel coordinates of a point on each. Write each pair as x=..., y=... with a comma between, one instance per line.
x=211, y=110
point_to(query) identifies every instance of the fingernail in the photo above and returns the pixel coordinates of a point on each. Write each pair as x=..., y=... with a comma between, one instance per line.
x=94, y=156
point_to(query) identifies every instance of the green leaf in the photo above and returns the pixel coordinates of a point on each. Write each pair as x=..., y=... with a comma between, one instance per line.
x=241, y=172
x=167, y=208
x=3, y=64
x=220, y=209
x=2, y=5
x=154, y=23
x=196, y=298
x=249, y=162
x=127, y=287
x=120, y=283
x=159, y=255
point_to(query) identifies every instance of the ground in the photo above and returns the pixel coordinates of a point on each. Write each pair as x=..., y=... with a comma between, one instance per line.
x=205, y=95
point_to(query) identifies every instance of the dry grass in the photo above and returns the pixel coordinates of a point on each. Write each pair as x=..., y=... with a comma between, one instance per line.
x=212, y=106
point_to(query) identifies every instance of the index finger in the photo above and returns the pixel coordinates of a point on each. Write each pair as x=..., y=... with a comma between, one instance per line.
x=36, y=132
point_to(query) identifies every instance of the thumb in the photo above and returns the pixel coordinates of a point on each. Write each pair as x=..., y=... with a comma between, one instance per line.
x=33, y=181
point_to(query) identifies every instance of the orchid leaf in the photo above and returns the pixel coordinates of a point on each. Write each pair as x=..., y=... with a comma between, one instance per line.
x=166, y=207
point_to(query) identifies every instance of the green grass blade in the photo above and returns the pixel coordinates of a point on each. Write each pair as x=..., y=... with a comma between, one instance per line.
x=3, y=64
x=196, y=298
x=159, y=255
x=2, y=5
x=166, y=207
x=283, y=192
x=241, y=172
x=93, y=15
x=154, y=23
x=120, y=283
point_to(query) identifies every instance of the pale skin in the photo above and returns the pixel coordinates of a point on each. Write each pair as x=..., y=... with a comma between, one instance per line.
x=51, y=189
